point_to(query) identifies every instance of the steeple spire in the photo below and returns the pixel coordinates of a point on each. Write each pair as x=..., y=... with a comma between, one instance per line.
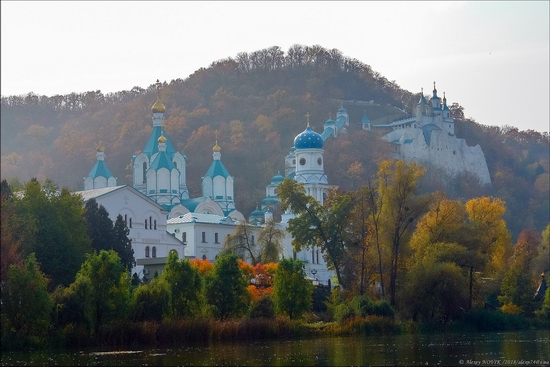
x=307, y=119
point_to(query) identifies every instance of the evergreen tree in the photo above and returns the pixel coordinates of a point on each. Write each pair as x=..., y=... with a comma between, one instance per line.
x=100, y=226
x=122, y=244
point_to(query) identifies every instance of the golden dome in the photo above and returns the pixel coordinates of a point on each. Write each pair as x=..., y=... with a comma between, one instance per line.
x=216, y=147
x=158, y=107
x=161, y=139
x=100, y=148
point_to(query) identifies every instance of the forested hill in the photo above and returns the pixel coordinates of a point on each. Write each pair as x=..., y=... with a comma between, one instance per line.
x=257, y=102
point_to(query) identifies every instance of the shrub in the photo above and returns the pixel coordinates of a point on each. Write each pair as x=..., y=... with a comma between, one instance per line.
x=263, y=308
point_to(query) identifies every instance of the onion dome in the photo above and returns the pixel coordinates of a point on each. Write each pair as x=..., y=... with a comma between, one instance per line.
x=158, y=107
x=308, y=139
x=278, y=178
x=100, y=148
x=216, y=148
x=161, y=139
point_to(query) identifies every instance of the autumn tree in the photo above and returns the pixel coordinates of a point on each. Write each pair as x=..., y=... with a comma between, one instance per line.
x=269, y=241
x=397, y=187
x=242, y=242
x=12, y=227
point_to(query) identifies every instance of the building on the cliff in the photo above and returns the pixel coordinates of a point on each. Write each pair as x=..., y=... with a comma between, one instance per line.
x=428, y=137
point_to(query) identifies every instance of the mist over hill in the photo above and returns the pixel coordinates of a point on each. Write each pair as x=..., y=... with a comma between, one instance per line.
x=254, y=104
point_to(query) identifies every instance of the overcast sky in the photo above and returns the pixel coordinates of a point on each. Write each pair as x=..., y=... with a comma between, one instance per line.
x=490, y=57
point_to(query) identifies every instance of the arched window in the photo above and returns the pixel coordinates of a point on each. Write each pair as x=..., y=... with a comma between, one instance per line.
x=155, y=223
x=147, y=251
x=150, y=223
x=154, y=251
x=144, y=171
x=130, y=222
x=126, y=220
x=145, y=223
x=204, y=257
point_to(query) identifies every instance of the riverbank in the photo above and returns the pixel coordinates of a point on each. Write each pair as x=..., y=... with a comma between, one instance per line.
x=128, y=334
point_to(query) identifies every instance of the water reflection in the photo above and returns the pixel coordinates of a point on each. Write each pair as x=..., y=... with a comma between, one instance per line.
x=531, y=347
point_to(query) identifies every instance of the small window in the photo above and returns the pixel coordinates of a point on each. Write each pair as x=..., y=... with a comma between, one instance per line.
x=302, y=161
x=317, y=256
x=154, y=251
x=130, y=222
x=126, y=220
x=147, y=251
x=155, y=223
x=184, y=237
x=216, y=238
x=144, y=171
x=150, y=223
x=203, y=237
x=312, y=256
x=145, y=223
x=252, y=240
x=319, y=161
x=204, y=257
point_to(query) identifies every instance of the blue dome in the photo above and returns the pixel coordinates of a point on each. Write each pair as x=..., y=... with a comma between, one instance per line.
x=308, y=139
x=278, y=178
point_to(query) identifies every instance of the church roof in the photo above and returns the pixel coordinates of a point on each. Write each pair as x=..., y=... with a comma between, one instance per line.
x=97, y=193
x=100, y=169
x=217, y=169
x=151, y=147
x=162, y=160
x=201, y=218
x=278, y=178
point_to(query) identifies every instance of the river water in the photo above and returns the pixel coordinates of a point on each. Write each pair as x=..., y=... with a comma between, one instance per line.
x=524, y=348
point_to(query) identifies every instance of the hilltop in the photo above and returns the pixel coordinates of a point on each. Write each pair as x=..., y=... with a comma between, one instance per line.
x=255, y=103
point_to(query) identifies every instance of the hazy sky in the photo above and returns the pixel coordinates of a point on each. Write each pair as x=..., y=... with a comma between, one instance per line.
x=490, y=57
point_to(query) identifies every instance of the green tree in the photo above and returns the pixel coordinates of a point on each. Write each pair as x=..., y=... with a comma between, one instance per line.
x=315, y=224
x=226, y=289
x=102, y=289
x=185, y=285
x=60, y=241
x=434, y=291
x=292, y=291
x=151, y=301
x=26, y=303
